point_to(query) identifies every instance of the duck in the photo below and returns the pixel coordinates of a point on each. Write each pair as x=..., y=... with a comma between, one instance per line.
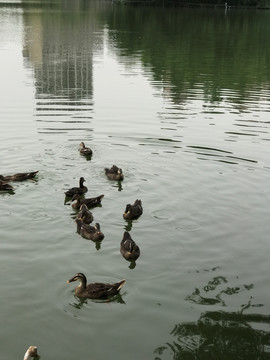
x=85, y=150
x=85, y=215
x=31, y=352
x=128, y=248
x=19, y=176
x=5, y=186
x=95, y=290
x=133, y=211
x=89, y=202
x=77, y=190
x=89, y=232
x=114, y=173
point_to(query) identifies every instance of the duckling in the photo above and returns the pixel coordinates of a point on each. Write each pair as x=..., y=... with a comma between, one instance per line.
x=95, y=290
x=133, y=211
x=114, y=173
x=89, y=232
x=5, y=186
x=90, y=202
x=85, y=215
x=128, y=248
x=31, y=352
x=19, y=176
x=77, y=190
x=85, y=150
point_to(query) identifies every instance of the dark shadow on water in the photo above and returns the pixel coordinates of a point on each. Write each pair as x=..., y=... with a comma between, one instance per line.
x=128, y=225
x=4, y=193
x=82, y=301
x=87, y=157
x=132, y=264
x=119, y=185
x=219, y=335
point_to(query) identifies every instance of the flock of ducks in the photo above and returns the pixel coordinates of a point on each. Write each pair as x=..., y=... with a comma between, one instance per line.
x=128, y=248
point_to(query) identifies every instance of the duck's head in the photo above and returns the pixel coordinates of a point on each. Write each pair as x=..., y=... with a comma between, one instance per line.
x=82, y=144
x=97, y=227
x=82, y=180
x=78, y=277
x=127, y=208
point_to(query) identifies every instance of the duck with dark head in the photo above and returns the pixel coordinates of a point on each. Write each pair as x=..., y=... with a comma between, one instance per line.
x=84, y=150
x=128, y=248
x=95, y=290
x=114, y=173
x=77, y=190
x=134, y=211
x=85, y=215
x=88, y=231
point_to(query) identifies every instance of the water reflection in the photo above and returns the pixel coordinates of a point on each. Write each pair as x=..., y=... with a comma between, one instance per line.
x=80, y=302
x=220, y=335
x=216, y=289
x=59, y=46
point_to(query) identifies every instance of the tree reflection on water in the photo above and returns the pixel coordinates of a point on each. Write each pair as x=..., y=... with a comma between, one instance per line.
x=220, y=335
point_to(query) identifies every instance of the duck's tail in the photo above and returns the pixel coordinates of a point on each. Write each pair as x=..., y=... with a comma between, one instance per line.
x=120, y=284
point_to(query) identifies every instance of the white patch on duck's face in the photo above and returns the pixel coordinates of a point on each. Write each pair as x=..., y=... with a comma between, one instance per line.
x=80, y=282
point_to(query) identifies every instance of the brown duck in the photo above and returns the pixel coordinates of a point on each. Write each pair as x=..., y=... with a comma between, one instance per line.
x=134, y=211
x=90, y=202
x=85, y=215
x=77, y=190
x=128, y=248
x=89, y=232
x=19, y=176
x=85, y=150
x=95, y=290
x=114, y=173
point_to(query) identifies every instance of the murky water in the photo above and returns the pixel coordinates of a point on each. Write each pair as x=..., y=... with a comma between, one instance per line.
x=179, y=99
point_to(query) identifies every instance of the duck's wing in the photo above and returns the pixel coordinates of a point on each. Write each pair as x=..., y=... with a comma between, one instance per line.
x=98, y=290
x=137, y=210
x=127, y=245
x=93, y=201
x=72, y=191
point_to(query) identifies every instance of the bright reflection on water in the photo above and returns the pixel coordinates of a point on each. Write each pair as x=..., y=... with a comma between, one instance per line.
x=181, y=104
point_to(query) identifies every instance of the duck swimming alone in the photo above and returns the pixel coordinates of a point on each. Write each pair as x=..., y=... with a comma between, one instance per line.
x=85, y=215
x=89, y=232
x=31, y=353
x=95, y=290
x=114, y=173
x=85, y=150
x=77, y=190
x=90, y=202
x=19, y=176
x=134, y=211
x=128, y=248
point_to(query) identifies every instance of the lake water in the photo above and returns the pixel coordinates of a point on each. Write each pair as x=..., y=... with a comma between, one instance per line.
x=179, y=99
